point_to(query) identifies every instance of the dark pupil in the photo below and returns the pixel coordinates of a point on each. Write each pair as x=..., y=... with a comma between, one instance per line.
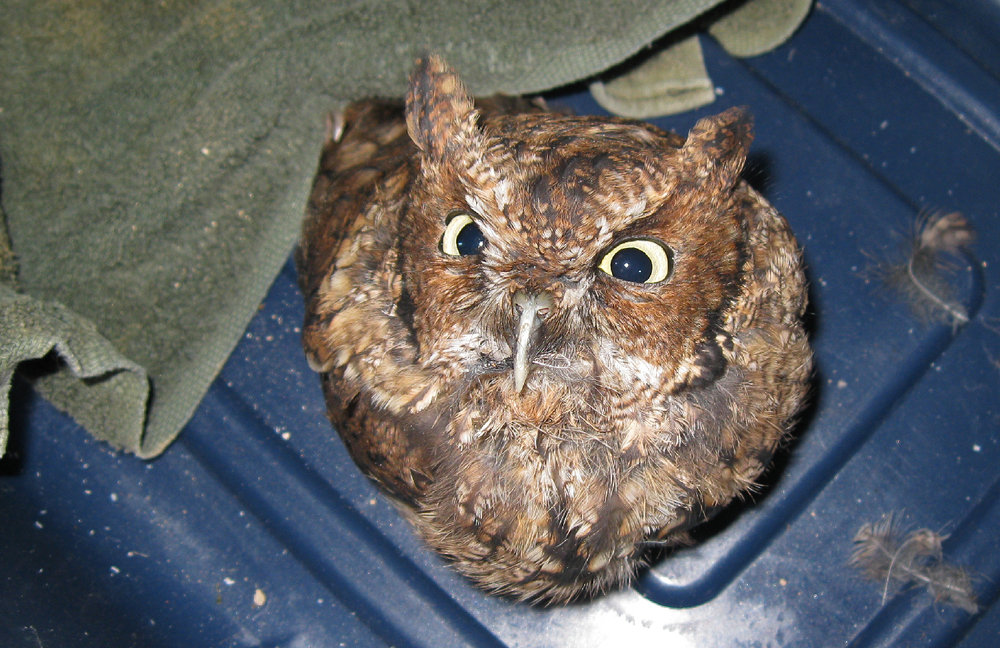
x=470, y=240
x=631, y=264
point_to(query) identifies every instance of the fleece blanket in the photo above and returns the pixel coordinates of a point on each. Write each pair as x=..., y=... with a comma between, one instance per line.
x=155, y=158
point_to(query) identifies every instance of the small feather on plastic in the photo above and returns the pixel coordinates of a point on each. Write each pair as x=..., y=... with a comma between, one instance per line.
x=923, y=278
x=884, y=552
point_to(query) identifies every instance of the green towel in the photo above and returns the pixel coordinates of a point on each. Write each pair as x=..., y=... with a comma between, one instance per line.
x=673, y=78
x=155, y=159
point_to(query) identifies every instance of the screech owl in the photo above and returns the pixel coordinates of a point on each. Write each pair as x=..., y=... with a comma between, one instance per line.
x=554, y=340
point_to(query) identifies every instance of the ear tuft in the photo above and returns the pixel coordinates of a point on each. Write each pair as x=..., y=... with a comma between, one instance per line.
x=440, y=114
x=717, y=146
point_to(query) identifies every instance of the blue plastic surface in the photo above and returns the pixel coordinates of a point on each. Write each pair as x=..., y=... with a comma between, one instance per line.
x=256, y=529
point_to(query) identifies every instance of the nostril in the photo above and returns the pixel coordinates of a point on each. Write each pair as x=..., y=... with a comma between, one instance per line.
x=541, y=303
x=521, y=299
x=544, y=301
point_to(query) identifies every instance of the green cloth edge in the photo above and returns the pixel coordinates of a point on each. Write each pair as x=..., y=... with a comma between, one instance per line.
x=97, y=383
x=675, y=80
x=671, y=81
x=759, y=26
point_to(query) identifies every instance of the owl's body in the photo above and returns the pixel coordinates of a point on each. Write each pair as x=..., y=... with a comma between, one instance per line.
x=553, y=339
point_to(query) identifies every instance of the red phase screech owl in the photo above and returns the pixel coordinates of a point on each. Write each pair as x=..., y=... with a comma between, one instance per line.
x=554, y=340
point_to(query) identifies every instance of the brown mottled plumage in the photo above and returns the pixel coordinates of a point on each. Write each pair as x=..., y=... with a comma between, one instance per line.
x=544, y=402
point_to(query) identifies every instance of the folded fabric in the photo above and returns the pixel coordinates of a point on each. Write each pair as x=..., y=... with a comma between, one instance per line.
x=156, y=158
x=673, y=78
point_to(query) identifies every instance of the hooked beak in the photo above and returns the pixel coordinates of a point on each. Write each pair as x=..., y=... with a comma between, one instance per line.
x=533, y=309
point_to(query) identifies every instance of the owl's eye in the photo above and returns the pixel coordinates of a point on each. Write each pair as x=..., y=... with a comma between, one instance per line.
x=462, y=237
x=638, y=261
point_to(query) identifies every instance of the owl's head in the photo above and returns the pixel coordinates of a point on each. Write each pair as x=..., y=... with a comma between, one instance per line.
x=539, y=242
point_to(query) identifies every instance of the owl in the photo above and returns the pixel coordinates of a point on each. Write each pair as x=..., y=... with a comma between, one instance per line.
x=554, y=341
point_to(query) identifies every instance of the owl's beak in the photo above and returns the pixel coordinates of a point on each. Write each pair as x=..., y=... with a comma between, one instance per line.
x=533, y=309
